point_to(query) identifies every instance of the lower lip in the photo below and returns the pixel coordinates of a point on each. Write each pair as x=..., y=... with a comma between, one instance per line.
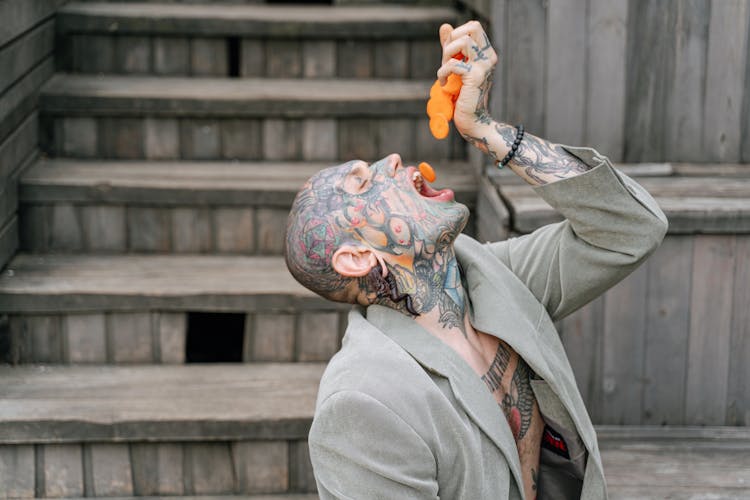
x=443, y=195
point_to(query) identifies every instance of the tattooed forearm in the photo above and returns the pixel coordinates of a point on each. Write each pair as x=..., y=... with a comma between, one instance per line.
x=481, y=113
x=539, y=160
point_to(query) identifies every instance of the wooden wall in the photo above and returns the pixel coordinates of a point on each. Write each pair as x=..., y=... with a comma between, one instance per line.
x=640, y=80
x=26, y=43
x=671, y=343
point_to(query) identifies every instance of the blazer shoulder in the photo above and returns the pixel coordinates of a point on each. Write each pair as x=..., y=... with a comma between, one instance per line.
x=372, y=364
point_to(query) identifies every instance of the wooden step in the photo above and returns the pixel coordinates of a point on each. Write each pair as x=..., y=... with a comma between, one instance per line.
x=295, y=41
x=124, y=424
x=141, y=309
x=131, y=117
x=289, y=21
x=692, y=203
x=182, y=207
x=155, y=430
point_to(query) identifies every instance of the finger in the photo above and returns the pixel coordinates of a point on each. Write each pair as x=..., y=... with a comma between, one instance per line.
x=452, y=66
x=472, y=28
x=463, y=46
x=445, y=33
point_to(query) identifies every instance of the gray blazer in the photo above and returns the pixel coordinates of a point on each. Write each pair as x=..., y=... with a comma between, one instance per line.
x=401, y=415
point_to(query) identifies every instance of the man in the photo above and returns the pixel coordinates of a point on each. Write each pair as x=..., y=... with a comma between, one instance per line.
x=452, y=382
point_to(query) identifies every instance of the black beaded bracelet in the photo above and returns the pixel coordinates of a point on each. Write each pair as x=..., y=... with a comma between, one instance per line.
x=513, y=148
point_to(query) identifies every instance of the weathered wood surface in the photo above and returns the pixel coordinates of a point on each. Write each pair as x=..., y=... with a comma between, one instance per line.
x=640, y=80
x=168, y=96
x=184, y=183
x=203, y=402
x=692, y=204
x=57, y=283
x=310, y=21
x=680, y=463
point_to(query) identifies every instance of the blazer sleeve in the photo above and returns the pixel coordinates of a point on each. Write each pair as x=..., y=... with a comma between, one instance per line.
x=612, y=224
x=361, y=449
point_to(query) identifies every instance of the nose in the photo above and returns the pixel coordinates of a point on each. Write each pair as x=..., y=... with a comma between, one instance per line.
x=393, y=161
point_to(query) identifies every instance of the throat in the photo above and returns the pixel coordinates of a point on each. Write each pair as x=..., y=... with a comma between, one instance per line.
x=441, y=296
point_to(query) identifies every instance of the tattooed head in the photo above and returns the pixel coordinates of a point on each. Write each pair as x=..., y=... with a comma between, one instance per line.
x=379, y=208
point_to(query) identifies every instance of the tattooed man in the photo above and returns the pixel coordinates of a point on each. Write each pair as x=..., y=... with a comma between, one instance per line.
x=452, y=382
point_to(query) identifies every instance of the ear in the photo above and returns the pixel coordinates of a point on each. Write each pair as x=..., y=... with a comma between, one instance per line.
x=353, y=261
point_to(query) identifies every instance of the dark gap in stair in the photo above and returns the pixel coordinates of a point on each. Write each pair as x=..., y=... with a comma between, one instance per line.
x=233, y=56
x=4, y=339
x=214, y=337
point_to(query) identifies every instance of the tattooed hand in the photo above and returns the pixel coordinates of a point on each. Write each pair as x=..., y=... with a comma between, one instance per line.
x=476, y=71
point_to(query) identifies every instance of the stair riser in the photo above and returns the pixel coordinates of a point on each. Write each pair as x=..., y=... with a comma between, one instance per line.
x=249, y=57
x=64, y=227
x=188, y=229
x=160, y=337
x=195, y=138
x=164, y=468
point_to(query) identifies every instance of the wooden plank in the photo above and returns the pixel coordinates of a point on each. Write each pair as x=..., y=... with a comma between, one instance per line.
x=256, y=20
x=650, y=62
x=710, y=330
x=133, y=54
x=525, y=86
x=746, y=106
x=171, y=55
x=605, y=110
x=129, y=338
x=63, y=470
x=498, y=33
x=62, y=282
x=20, y=15
x=23, y=54
x=209, y=468
x=271, y=338
x=20, y=100
x=667, y=329
x=17, y=147
x=241, y=139
x=319, y=58
x=566, y=71
x=108, y=95
x=157, y=469
x=149, y=229
x=234, y=230
x=104, y=228
x=261, y=466
x=354, y=59
x=283, y=59
x=9, y=239
x=582, y=335
x=191, y=230
x=725, y=79
x=622, y=363
x=301, y=477
x=171, y=335
x=16, y=471
x=204, y=402
x=685, y=111
x=208, y=57
x=738, y=391
x=282, y=139
x=317, y=336
x=111, y=469
x=85, y=338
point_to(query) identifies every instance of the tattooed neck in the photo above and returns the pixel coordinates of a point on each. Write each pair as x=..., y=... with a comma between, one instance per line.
x=439, y=291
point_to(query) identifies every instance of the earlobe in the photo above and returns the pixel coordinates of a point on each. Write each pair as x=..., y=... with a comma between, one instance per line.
x=352, y=262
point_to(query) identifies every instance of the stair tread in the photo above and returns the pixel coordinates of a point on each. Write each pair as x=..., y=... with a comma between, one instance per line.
x=177, y=402
x=84, y=282
x=179, y=182
x=256, y=20
x=304, y=98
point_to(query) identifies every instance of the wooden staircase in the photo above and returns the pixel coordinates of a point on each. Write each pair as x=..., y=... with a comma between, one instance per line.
x=176, y=136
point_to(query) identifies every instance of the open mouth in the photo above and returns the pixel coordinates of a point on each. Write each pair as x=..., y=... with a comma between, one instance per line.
x=424, y=189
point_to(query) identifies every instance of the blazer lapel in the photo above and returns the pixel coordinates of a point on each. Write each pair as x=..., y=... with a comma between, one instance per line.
x=471, y=393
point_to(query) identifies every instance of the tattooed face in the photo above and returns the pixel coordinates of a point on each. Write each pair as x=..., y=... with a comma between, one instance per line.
x=380, y=206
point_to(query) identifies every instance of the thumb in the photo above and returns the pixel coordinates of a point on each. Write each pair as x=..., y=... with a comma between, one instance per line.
x=445, y=33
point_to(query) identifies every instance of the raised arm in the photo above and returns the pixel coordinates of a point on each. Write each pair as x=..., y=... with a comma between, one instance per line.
x=536, y=160
x=612, y=224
